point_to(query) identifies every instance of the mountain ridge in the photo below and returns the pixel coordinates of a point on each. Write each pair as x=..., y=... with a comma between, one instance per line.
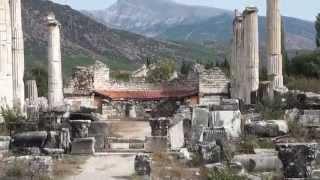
x=215, y=26
x=85, y=40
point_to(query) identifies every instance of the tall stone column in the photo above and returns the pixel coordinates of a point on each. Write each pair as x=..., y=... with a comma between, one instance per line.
x=237, y=46
x=251, y=54
x=6, y=89
x=17, y=55
x=55, y=84
x=274, y=53
x=32, y=90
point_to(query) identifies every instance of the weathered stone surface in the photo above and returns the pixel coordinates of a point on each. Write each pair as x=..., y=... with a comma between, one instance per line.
x=83, y=146
x=212, y=134
x=30, y=139
x=251, y=55
x=200, y=120
x=6, y=94
x=4, y=143
x=229, y=120
x=274, y=45
x=31, y=166
x=309, y=118
x=270, y=128
x=17, y=55
x=55, y=83
x=80, y=128
x=297, y=158
x=156, y=144
x=159, y=127
x=176, y=135
x=258, y=162
x=99, y=130
x=211, y=152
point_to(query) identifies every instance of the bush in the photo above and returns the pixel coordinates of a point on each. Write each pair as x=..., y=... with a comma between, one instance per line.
x=224, y=175
x=306, y=65
x=271, y=109
x=303, y=83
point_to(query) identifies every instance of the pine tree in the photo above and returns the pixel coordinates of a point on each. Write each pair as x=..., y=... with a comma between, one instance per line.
x=317, y=26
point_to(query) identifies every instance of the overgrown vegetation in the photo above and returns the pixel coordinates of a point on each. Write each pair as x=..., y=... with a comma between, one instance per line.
x=10, y=117
x=120, y=76
x=186, y=67
x=249, y=143
x=271, y=109
x=317, y=26
x=162, y=72
x=303, y=83
x=40, y=74
x=224, y=175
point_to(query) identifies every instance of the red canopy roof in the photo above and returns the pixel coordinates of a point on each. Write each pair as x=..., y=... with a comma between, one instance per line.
x=123, y=95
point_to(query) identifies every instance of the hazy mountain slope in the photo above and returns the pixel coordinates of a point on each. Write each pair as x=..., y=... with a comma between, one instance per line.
x=150, y=17
x=164, y=19
x=85, y=40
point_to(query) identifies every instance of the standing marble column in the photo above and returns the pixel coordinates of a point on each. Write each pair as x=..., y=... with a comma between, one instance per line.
x=237, y=49
x=17, y=55
x=32, y=90
x=6, y=89
x=274, y=53
x=55, y=84
x=251, y=54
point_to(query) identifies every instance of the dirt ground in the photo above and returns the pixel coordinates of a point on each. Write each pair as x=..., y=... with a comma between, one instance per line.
x=115, y=166
x=131, y=129
x=107, y=167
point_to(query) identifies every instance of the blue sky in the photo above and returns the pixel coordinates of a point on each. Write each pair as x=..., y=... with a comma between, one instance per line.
x=304, y=9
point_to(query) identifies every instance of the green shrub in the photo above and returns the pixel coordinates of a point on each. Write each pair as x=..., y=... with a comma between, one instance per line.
x=162, y=72
x=303, y=83
x=271, y=109
x=224, y=175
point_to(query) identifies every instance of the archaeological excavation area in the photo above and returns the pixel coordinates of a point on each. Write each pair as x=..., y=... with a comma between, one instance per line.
x=213, y=123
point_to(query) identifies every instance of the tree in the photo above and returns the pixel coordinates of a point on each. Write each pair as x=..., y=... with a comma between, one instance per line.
x=285, y=59
x=186, y=67
x=40, y=74
x=317, y=26
x=163, y=71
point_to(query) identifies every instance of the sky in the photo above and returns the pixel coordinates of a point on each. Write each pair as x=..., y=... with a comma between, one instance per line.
x=303, y=9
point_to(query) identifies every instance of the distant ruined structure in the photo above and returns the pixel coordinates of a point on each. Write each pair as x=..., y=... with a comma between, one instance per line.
x=17, y=55
x=274, y=52
x=55, y=84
